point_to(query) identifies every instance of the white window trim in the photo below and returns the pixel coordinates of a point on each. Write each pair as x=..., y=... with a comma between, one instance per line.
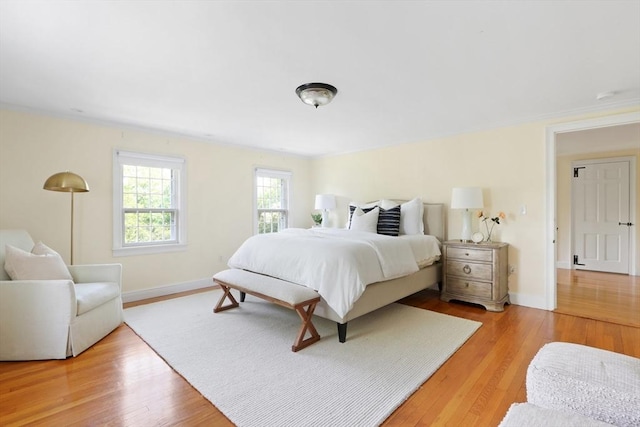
x=119, y=156
x=274, y=173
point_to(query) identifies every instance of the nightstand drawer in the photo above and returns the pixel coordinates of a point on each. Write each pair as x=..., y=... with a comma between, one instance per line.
x=471, y=270
x=469, y=253
x=468, y=288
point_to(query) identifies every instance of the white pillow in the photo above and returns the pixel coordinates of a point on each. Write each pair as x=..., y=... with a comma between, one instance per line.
x=42, y=249
x=411, y=214
x=360, y=205
x=47, y=264
x=368, y=222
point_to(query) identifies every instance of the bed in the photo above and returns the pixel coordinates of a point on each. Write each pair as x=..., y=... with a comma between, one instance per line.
x=375, y=292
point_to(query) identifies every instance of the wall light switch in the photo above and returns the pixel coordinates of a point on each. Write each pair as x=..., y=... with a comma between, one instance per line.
x=523, y=210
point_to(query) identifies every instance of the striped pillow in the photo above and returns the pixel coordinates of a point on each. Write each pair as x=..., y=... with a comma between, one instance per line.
x=389, y=221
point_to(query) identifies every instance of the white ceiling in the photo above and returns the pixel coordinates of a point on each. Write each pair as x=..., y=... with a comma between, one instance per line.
x=406, y=71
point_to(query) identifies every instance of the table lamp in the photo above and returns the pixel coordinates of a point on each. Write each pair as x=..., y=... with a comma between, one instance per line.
x=325, y=202
x=466, y=198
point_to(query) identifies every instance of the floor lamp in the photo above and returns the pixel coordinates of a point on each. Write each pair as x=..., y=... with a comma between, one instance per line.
x=67, y=182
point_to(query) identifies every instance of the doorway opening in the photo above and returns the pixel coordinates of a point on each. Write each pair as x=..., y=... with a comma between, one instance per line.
x=552, y=135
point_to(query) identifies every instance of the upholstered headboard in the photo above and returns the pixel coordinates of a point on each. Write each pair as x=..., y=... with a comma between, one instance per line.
x=433, y=218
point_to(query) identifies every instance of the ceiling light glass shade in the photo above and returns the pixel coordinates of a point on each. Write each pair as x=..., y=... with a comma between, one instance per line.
x=316, y=93
x=68, y=182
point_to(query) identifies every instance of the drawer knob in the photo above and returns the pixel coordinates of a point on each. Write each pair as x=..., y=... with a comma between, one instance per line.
x=466, y=284
x=466, y=269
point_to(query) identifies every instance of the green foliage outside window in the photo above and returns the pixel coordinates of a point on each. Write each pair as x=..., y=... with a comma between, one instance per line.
x=271, y=222
x=272, y=204
x=148, y=202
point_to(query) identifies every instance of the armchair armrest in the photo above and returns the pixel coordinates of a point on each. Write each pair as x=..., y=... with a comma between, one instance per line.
x=90, y=273
x=35, y=317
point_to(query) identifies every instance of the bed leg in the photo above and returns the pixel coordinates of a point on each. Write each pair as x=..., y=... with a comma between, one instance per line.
x=242, y=296
x=342, y=332
x=439, y=286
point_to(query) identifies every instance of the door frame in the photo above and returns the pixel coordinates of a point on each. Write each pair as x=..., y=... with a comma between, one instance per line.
x=550, y=186
x=632, y=204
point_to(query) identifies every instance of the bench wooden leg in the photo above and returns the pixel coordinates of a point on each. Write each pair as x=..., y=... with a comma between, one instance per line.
x=227, y=293
x=305, y=316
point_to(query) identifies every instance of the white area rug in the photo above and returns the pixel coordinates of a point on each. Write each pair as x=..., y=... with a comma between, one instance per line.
x=241, y=359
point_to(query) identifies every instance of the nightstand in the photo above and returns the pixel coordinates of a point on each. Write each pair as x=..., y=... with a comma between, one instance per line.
x=476, y=273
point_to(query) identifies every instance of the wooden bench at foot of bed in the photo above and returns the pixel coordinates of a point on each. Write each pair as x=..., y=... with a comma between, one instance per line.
x=302, y=299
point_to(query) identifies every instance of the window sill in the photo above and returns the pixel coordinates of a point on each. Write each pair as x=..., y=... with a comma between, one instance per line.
x=149, y=250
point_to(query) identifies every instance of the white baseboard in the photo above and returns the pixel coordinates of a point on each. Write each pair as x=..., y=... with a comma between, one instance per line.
x=161, y=291
x=565, y=265
x=532, y=301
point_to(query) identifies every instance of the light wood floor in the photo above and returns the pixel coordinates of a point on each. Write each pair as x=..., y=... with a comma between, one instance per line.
x=121, y=381
x=603, y=296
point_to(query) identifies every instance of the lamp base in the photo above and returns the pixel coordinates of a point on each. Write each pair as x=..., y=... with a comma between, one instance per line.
x=465, y=236
x=325, y=218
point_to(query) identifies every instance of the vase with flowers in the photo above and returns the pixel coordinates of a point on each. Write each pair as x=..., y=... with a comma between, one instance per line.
x=487, y=219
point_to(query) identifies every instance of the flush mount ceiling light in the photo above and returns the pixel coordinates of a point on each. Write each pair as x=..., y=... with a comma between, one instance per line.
x=316, y=93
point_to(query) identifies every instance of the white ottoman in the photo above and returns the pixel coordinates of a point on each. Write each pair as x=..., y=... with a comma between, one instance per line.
x=596, y=383
x=528, y=415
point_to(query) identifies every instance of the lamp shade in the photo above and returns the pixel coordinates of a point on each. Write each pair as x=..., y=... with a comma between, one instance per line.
x=325, y=201
x=466, y=198
x=68, y=182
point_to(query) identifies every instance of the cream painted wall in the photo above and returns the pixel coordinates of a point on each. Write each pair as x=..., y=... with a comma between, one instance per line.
x=508, y=163
x=220, y=193
x=564, y=173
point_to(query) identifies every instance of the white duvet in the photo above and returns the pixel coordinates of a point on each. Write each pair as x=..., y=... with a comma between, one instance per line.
x=338, y=263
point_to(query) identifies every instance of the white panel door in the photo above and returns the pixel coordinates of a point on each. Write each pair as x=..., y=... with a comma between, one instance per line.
x=601, y=210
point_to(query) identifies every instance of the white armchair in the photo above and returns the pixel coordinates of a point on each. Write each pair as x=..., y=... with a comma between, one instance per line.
x=54, y=319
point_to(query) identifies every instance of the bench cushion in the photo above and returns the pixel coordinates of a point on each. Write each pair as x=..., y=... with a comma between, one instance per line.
x=290, y=293
x=596, y=383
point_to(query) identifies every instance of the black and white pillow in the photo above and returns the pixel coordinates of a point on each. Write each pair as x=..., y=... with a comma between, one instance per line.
x=389, y=221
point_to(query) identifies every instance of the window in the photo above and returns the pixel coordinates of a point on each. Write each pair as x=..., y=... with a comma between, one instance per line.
x=149, y=211
x=272, y=200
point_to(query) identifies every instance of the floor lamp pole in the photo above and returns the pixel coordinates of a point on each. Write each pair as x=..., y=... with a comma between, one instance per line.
x=72, y=228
